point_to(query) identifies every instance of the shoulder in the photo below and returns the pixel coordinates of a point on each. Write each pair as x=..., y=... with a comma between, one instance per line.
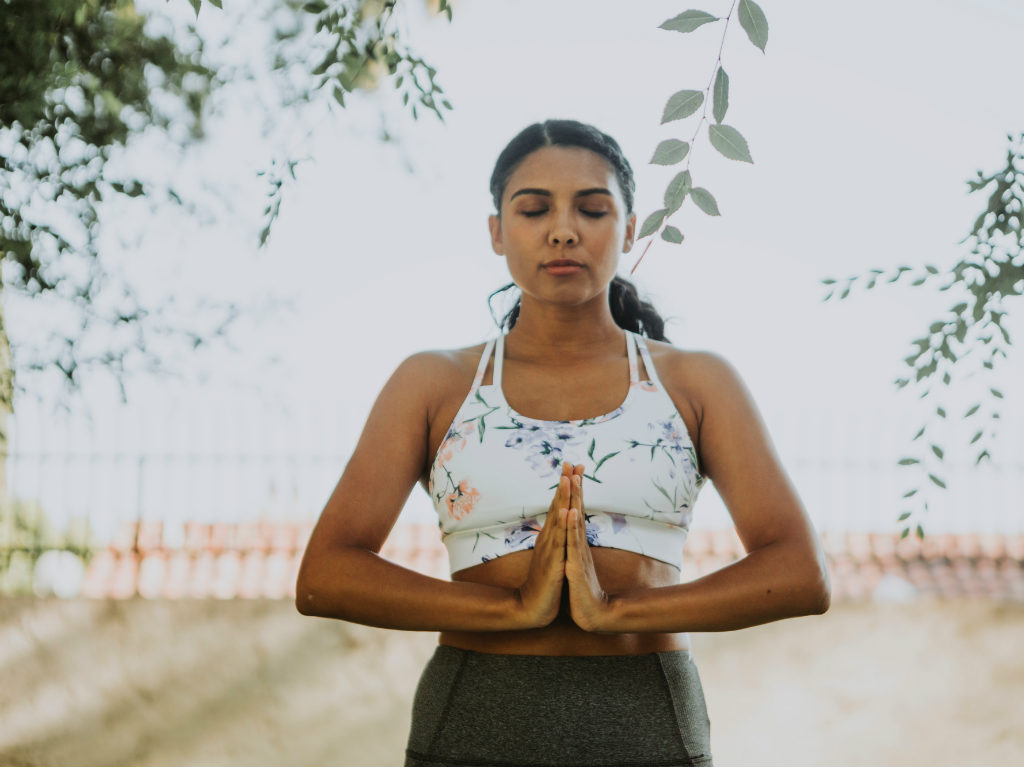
x=435, y=373
x=701, y=377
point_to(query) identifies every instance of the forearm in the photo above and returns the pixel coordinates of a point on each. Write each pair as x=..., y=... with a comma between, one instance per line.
x=768, y=584
x=357, y=585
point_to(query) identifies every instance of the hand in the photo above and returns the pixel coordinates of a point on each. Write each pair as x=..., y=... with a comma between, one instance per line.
x=588, y=602
x=541, y=592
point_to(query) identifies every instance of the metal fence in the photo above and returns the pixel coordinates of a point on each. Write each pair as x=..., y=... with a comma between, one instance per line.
x=198, y=511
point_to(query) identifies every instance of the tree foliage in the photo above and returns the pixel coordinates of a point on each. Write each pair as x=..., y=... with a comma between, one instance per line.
x=970, y=338
x=81, y=81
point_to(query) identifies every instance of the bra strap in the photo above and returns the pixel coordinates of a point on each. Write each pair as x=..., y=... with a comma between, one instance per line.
x=652, y=374
x=634, y=376
x=499, y=356
x=482, y=366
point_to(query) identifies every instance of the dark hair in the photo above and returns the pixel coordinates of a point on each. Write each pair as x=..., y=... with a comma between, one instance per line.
x=628, y=310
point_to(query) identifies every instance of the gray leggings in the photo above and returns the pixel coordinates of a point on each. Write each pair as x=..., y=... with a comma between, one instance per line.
x=484, y=709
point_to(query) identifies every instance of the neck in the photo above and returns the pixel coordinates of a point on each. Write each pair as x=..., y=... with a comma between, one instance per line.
x=547, y=330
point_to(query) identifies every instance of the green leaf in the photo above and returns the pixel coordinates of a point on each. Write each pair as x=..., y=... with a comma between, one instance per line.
x=908, y=461
x=937, y=481
x=972, y=411
x=217, y=4
x=702, y=197
x=754, y=23
x=976, y=437
x=687, y=21
x=195, y=5
x=920, y=532
x=315, y=6
x=931, y=269
x=908, y=494
x=729, y=142
x=682, y=104
x=919, y=434
x=983, y=454
x=905, y=515
x=940, y=412
x=590, y=452
x=721, y=95
x=662, y=491
x=677, y=190
x=652, y=223
x=996, y=393
x=671, y=234
x=339, y=94
x=828, y=281
x=905, y=533
x=670, y=151
x=605, y=459
x=938, y=451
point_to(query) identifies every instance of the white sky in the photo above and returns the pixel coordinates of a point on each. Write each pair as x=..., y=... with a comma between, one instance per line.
x=864, y=123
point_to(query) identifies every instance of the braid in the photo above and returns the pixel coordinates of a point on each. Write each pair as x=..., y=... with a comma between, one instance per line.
x=632, y=313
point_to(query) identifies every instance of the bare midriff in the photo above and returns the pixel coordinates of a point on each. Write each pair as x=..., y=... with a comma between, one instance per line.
x=619, y=571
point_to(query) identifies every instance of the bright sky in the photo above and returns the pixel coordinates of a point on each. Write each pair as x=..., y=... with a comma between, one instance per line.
x=864, y=125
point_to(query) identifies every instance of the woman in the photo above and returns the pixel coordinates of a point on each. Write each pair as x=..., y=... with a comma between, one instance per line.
x=564, y=468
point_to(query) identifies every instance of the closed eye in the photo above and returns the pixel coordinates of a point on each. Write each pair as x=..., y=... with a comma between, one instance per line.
x=588, y=213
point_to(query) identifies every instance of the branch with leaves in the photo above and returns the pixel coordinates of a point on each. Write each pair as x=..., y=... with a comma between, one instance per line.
x=971, y=338
x=726, y=139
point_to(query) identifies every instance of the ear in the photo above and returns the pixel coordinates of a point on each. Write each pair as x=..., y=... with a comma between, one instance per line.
x=497, y=243
x=627, y=241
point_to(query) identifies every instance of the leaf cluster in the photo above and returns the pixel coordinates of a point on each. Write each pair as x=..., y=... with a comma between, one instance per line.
x=726, y=139
x=78, y=80
x=970, y=337
x=326, y=50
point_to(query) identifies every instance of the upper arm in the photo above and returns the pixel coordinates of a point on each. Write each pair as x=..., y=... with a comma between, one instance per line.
x=738, y=455
x=387, y=461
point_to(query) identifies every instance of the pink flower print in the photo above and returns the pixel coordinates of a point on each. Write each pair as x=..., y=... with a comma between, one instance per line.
x=645, y=385
x=454, y=441
x=462, y=501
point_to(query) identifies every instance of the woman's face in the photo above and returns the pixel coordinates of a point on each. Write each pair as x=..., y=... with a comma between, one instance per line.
x=563, y=224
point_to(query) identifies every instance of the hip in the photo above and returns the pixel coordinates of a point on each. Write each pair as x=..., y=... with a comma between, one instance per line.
x=476, y=708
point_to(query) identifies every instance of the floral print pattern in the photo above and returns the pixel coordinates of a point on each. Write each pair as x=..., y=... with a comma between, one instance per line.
x=641, y=476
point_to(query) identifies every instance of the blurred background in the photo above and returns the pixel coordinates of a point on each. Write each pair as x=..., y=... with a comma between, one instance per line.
x=222, y=233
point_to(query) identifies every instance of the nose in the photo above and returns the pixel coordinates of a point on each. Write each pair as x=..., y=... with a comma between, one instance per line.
x=563, y=231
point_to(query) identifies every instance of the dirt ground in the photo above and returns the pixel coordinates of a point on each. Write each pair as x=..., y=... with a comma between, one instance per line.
x=213, y=682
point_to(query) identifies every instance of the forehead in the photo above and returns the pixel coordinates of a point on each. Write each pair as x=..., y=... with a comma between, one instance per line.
x=561, y=168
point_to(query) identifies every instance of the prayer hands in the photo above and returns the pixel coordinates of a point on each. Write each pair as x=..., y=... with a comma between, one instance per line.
x=562, y=553
x=588, y=602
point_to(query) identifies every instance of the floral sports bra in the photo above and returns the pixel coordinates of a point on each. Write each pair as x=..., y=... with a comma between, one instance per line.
x=496, y=471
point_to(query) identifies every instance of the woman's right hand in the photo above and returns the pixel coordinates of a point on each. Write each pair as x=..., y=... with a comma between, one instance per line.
x=541, y=592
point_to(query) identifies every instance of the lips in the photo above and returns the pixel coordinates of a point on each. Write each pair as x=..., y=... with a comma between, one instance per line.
x=561, y=262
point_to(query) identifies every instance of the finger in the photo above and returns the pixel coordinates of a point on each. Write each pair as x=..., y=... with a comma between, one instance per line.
x=560, y=498
x=572, y=541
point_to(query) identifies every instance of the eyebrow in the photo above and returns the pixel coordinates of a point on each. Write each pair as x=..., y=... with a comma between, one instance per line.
x=546, y=193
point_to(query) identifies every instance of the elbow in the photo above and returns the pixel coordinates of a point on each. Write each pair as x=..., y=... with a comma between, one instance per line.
x=818, y=591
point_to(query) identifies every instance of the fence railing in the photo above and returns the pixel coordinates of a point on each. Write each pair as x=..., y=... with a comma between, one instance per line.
x=203, y=520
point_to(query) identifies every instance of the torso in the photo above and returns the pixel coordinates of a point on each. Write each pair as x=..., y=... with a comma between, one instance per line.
x=541, y=392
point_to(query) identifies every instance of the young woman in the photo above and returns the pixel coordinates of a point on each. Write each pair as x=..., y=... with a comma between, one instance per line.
x=564, y=468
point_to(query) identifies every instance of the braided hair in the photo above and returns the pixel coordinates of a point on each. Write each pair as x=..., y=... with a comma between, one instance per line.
x=628, y=310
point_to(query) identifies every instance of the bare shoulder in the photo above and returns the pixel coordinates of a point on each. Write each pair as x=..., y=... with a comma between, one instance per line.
x=435, y=373
x=698, y=376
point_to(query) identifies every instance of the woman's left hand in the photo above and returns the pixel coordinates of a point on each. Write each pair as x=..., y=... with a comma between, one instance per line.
x=588, y=602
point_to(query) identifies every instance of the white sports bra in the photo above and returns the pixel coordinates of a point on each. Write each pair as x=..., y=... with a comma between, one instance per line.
x=495, y=472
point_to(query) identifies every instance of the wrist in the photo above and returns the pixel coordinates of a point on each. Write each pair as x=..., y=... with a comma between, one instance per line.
x=525, y=614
